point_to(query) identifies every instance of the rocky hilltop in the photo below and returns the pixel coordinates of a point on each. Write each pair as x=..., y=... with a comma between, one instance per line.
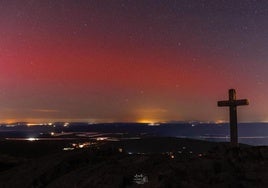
x=188, y=163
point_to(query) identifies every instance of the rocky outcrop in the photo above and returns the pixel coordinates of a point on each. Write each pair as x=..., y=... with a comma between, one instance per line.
x=106, y=167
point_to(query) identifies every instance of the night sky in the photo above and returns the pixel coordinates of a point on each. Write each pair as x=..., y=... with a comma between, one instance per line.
x=135, y=60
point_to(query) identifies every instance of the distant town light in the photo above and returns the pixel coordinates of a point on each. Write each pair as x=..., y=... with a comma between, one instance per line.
x=220, y=121
x=101, y=138
x=153, y=124
x=32, y=139
x=66, y=124
x=10, y=125
x=145, y=121
x=81, y=145
x=68, y=149
x=33, y=124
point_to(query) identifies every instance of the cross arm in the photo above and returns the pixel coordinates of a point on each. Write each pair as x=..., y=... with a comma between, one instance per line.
x=224, y=103
x=241, y=102
x=233, y=102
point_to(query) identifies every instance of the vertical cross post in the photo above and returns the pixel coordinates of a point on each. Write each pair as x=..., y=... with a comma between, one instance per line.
x=232, y=103
x=233, y=117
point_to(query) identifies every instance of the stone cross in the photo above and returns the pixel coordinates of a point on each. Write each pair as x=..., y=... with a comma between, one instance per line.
x=233, y=103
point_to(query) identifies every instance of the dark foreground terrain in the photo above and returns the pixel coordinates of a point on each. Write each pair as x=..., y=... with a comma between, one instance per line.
x=150, y=162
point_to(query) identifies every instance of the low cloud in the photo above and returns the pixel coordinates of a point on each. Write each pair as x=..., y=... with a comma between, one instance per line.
x=46, y=110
